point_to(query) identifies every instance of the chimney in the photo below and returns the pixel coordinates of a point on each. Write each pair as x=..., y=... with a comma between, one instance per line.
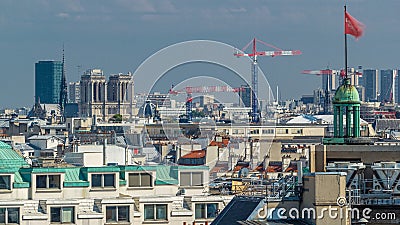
x=104, y=151
x=300, y=172
x=285, y=162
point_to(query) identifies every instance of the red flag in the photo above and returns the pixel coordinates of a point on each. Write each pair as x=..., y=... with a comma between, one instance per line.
x=353, y=26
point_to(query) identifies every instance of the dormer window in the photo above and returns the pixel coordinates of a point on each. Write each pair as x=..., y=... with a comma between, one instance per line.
x=5, y=182
x=140, y=180
x=48, y=181
x=191, y=179
x=103, y=180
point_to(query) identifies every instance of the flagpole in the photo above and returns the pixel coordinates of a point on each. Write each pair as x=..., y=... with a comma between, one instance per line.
x=345, y=46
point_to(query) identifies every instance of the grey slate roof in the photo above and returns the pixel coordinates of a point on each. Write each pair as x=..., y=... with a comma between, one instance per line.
x=4, y=123
x=387, y=124
x=238, y=209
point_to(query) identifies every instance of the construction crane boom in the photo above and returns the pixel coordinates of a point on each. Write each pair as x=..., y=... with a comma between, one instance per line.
x=269, y=53
x=255, y=114
x=200, y=89
x=320, y=72
x=327, y=81
x=342, y=73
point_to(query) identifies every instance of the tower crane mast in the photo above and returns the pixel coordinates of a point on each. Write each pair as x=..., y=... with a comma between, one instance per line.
x=255, y=114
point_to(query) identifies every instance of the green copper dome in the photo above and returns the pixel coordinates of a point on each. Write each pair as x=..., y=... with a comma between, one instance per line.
x=346, y=94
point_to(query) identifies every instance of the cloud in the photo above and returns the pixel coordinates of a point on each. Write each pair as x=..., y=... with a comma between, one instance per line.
x=73, y=6
x=238, y=10
x=166, y=7
x=139, y=6
x=63, y=15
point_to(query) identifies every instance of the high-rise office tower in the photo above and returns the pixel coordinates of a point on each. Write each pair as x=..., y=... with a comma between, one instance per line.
x=329, y=82
x=397, y=87
x=388, y=90
x=74, y=92
x=371, y=84
x=245, y=96
x=48, y=78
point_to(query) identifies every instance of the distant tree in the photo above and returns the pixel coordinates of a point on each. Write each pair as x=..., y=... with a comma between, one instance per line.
x=117, y=118
x=198, y=114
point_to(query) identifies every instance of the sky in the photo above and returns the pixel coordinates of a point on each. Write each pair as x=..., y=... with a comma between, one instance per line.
x=118, y=35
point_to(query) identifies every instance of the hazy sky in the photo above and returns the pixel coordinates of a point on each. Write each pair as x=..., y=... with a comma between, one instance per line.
x=117, y=36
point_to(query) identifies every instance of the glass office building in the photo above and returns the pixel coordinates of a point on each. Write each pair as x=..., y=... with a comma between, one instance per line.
x=48, y=76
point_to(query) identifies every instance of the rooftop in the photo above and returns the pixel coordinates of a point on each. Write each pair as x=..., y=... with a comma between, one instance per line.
x=196, y=154
x=10, y=158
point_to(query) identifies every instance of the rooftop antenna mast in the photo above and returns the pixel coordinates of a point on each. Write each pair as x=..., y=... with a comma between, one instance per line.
x=63, y=89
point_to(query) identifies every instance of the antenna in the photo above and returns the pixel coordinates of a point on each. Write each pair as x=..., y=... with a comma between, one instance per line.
x=63, y=85
x=277, y=94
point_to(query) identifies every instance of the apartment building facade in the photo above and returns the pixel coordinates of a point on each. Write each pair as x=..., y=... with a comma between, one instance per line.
x=104, y=195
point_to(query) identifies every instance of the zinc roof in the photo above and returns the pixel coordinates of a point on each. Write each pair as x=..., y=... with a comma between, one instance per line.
x=9, y=157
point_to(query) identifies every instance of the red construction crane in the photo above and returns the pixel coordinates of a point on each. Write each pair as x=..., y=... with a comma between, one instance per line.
x=255, y=114
x=331, y=72
x=320, y=72
x=200, y=89
x=328, y=88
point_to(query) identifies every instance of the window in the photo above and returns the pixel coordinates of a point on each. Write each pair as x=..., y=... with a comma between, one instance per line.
x=191, y=179
x=206, y=211
x=140, y=180
x=62, y=214
x=103, y=180
x=282, y=131
x=238, y=131
x=5, y=182
x=9, y=215
x=48, y=181
x=255, y=131
x=297, y=131
x=117, y=214
x=268, y=131
x=155, y=212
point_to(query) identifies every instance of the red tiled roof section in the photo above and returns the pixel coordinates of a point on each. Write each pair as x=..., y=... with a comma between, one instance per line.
x=259, y=168
x=292, y=167
x=274, y=167
x=224, y=143
x=237, y=168
x=197, y=154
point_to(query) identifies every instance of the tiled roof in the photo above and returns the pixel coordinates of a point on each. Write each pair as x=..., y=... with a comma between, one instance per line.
x=4, y=123
x=387, y=124
x=237, y=168
x=260, y=167
x=274, y=166
x=197, y=154
x=42, y=137
x=292, y=167
x=224, y=143
x=239, y=208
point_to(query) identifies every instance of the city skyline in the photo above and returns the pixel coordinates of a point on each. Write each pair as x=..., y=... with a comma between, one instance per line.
x=118, y=36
